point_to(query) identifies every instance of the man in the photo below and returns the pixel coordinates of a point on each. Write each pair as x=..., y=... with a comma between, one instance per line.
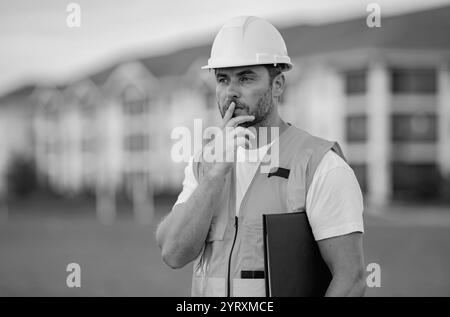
x=217, y=219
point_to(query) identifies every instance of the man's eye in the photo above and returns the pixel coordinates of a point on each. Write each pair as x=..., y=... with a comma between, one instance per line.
x=245, y=78
x=221, y=80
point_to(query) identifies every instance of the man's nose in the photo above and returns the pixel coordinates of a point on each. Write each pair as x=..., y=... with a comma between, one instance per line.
x=233, y=90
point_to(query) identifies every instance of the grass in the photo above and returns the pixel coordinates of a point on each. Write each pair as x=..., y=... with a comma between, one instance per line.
x=40, y=238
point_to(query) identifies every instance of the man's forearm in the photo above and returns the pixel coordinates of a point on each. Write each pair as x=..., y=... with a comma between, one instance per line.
x=182, y=233
x=342, y=286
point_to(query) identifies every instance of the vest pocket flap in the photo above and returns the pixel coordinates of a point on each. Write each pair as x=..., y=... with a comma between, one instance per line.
x=253, y=228
x=280, y=172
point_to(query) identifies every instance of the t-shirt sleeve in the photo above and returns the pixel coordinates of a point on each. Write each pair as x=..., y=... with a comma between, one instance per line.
x=189, y=183
x=334, y=202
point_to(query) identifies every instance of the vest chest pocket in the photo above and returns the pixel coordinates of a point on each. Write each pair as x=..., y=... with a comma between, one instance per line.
x=216, y=230
x=216, y=233
x=253, y=249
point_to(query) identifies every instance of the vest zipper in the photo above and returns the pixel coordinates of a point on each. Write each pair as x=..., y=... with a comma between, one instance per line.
x=231, y=253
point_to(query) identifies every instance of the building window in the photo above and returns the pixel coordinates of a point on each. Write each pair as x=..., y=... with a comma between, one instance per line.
x=415, y=181
x=136, y=142
x=53, y=146
x=419, y=127
x=88, y=112
x=135, y=107
x=355, y=82
x=134, y=101
x=356, y=128
x=413, y=80
x=88, y=145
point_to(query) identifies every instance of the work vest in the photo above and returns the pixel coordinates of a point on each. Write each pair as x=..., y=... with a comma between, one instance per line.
x=231, y=262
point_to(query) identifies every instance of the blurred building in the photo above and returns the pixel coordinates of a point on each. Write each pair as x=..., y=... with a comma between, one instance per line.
x=382, y=93
x=16, y=140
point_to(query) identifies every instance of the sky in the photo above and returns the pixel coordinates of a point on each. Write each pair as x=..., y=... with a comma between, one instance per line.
x=36, y=45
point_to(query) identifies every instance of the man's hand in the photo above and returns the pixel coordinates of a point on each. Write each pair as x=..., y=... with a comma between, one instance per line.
x=233, y=136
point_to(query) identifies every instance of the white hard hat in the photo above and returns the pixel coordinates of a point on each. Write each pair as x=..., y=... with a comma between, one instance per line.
x=248, y=40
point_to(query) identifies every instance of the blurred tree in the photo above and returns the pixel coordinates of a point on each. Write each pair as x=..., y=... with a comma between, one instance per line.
x=21, y=176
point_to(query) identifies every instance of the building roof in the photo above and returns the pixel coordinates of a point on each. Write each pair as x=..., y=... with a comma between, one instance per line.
x=428, y=29
x=177, y=62
x=417, y=30
x=101, y=77
x=18, y=92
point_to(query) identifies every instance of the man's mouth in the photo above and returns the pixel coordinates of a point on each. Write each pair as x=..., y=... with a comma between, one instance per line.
x=238, y=109
x=236, y=105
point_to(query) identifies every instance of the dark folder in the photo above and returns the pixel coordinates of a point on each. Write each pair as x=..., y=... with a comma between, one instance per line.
x=293, y=264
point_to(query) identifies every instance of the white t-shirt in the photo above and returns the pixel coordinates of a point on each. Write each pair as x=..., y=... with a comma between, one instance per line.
x=334, y=203
x=247, y=162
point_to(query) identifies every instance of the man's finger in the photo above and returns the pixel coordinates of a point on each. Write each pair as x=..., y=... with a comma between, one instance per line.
x=241, y=131
x=241, y=141
x=229, y=113
x=238, y=120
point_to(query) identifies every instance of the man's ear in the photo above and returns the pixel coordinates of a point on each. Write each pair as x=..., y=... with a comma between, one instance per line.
x=278, y=85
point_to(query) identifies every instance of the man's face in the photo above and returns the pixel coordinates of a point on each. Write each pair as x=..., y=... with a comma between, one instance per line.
x=249, y=87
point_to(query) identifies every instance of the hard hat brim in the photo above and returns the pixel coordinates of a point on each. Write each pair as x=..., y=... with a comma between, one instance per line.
x=288, y=66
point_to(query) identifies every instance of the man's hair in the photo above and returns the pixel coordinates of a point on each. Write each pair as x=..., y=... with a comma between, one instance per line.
x=274, y=71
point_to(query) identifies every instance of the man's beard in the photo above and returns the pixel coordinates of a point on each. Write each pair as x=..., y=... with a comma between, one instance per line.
x=263, y=109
